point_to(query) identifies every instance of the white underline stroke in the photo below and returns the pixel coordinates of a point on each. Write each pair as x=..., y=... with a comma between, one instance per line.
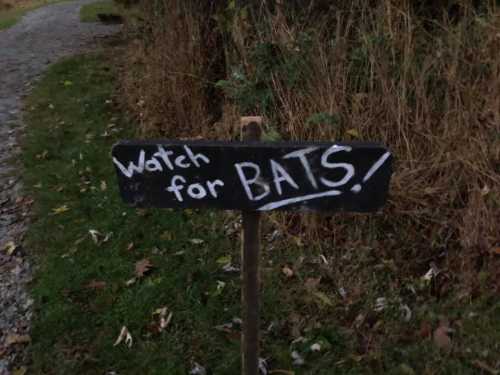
x=286, y=202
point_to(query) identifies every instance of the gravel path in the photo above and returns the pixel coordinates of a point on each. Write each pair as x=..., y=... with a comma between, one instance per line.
x=40, y=38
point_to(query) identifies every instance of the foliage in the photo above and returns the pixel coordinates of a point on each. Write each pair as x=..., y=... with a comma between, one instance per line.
x=351, y=307
x=419, y=77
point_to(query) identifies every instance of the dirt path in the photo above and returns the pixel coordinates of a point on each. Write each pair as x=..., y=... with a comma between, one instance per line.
x=40, y=38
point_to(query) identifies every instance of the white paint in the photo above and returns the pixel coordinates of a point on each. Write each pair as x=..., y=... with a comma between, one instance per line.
x=356, y=188
x=175, y=188
x=153, y=165
x=376, y=166
x=179, y=161
x=196, y=158
x=348, y=167
x=196, y=191
x=348, y=175
x=255, y=180
x=301, y=154
x=165, y=156
x=286, y=202
x=212, y=187
x=280, y=175
x=132, y=168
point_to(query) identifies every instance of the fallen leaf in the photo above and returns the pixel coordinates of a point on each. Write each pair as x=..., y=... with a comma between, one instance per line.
x=263, y=366
x=342, y=292
x=20, y=371
x=380, y=304
x=164, y=316
x=130, y=282
x=124, y=335
x=95, y=235
x=196, y=241
x=220, y=286
x=311, y=283
x=406, y=313
x=287, y=271
x=10, y=247
x=496, y=250
x=324, y=298
x=485, y=367
x=60, y=210
x=96, y=285
x=315, y=347
x=441, y=338
x=298, y=360
x=224, y=260
x=198, y=369
x=142, y=267
x=353, y=133
x=107, y=237
x=43, y=155
x=130, y=246
x=104, y=186
x=229, y=268
x=425, y=330
x=14, y=338
x=167, y=236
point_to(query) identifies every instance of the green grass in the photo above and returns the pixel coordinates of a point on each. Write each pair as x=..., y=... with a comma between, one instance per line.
x=72, y=125
x=89, y=12
x=9, y=18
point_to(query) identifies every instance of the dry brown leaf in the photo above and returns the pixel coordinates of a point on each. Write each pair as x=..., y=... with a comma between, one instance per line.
x=14, y=338
x=130, y=282
x=20, y=371
x=287, y=271
x=323, y=298
x=10, y=247
x=425, y=330
x=496, y=250
x=312, y=283
x=60, y=210
x=441, y=338
x=164, y=316
x=485, y=367
x=96, y=285
x=142, y=267
x=124, y=336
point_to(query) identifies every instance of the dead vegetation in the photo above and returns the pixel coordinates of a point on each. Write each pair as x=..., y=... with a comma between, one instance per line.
x=426, y=83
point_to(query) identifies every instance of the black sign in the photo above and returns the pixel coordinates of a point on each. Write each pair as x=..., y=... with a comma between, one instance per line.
x=253, y=175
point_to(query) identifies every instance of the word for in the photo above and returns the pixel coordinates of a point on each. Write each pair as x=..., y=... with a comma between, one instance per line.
x=166, y=159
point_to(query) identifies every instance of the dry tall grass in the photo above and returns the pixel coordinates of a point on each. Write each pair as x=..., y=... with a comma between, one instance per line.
x=428, y=89
x=164, y=80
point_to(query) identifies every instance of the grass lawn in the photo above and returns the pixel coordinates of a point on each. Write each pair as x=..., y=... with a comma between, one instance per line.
x=89, y=12
x=102, y=266
x=11, y=13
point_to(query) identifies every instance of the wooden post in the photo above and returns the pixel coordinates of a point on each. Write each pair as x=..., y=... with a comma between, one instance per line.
x=251, y=131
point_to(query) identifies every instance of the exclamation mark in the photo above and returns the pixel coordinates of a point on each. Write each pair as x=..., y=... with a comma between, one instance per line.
x=375, y=167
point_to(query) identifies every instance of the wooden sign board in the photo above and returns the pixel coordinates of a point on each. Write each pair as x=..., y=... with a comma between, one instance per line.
x=253, y=176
